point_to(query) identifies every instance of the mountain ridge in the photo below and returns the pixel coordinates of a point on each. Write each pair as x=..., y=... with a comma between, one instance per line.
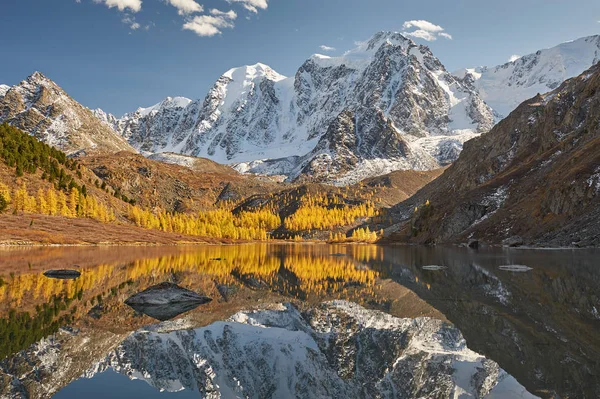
x=40, y=107
x=253, y=114
x=534, y=179
x=505, y=86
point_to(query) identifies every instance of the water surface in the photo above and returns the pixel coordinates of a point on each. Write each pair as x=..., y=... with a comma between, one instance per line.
x=367, y=319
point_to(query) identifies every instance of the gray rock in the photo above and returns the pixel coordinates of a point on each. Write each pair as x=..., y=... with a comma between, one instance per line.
x=63, y=274
x=514, y=241
x=165, y=294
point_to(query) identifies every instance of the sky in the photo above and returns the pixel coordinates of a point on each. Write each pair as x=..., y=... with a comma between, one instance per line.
x=119, y=55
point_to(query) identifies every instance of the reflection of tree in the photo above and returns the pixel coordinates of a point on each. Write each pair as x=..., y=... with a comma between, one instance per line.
x=20, y=330
x=292, y=270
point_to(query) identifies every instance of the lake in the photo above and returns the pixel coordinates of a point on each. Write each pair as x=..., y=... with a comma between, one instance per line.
x=300, y=320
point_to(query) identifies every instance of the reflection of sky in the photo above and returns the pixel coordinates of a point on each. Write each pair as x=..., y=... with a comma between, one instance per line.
x=110, y=384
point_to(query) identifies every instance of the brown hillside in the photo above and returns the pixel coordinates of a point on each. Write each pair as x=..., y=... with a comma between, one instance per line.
x=533, y=179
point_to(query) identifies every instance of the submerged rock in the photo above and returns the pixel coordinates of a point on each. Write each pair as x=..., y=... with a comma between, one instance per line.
x=63, y=274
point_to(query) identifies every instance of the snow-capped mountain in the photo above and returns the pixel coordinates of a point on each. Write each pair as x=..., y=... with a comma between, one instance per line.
x=388, y=104
x=41, y=108
x=506, y=86
x=336, y=349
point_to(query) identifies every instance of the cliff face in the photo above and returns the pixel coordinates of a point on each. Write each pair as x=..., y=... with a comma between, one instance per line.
x=535, y=175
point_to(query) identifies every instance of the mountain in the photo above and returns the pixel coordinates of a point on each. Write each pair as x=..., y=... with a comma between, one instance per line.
x=41, y=108
x=505, y=86
x=388, y=104
x=533, y=179
x=336, y=347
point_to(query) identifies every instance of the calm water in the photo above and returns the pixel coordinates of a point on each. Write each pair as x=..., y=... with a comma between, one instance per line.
x=302, y=320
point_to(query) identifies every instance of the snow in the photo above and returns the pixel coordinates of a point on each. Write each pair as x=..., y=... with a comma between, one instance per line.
x=506, y=86
x=594, y=181
x=259, y=121
x=173, y=158
x=277, y=347
x=3, y=90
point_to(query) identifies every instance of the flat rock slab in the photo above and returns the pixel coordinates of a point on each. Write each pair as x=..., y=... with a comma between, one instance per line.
x=63, y=274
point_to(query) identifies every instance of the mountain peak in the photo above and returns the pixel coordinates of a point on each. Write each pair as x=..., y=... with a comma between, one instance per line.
x=37, y=77
x=390, y=37
x=251, y=72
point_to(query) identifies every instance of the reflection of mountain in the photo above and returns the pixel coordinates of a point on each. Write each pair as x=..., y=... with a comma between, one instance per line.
x=540, y=326
x=34, y=307
x=337, y=349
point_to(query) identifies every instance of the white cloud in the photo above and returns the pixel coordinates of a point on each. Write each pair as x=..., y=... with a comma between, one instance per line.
x=422, y=34
x=327, y=48
x=131, y=22
x=425, y=30
x=211, y=25
x=228, y=15
x=185, y=6
x=252, y=5
x=514, y=57
x=423, y=25
x=122, y=5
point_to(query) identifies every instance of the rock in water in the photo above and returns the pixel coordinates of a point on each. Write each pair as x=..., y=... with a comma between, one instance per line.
x=433, y=267
x=164, y=294
x=515, y=268
x=63, y=274
x=514, y=241
x=166, y=301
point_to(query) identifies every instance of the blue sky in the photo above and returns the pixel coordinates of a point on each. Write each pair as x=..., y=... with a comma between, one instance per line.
x=89, y=47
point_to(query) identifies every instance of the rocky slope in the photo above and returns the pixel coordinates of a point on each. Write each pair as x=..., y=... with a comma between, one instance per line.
x=534, y=178
x=505, y=86
x=197, y=184
x=41, y=108
x=338, y=348
x=388, y=104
